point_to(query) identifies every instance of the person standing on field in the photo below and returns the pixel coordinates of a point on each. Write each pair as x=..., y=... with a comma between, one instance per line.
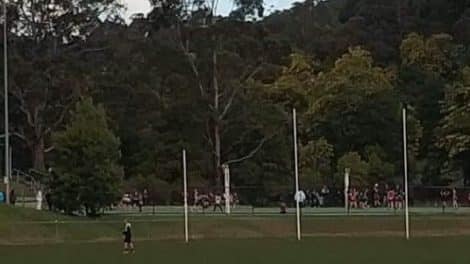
x=455, y=199
x=39, y=200
x=300, y=197
x=128, y=244
x=218, y=202
x=195, y=199
x=391, y=198
x=146, y=197
x=376, y=196
x=444, y=197
x=12, y=197
x=141, y=202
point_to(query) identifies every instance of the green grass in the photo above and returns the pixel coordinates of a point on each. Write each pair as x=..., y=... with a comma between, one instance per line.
x=29, y=236
x=19, y=226
x=273, y=251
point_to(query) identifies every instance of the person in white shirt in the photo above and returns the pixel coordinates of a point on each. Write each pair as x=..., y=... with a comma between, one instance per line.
x=300, y=197
x=39, y=200
x=218, y=202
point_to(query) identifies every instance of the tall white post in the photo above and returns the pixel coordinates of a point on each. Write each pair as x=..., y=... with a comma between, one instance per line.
x=405, y=163
x=227, y=187
x=5, y=98
x=296, y=165
x=185, y=190
x=346, y=190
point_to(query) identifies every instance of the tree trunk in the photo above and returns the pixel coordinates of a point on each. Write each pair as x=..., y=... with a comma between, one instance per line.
x=38, y=155
x=217, y=148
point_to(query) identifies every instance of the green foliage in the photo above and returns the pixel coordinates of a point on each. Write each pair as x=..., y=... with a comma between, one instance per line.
x=359, y=169
x=293, y=88
x=455, y=129
x=379, y=169
x=87, y=174
x=316, y=158
x=431, y=55
x=157, y=77
x=356, y=97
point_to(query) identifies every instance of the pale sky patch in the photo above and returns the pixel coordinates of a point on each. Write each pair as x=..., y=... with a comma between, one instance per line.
x=225, y=6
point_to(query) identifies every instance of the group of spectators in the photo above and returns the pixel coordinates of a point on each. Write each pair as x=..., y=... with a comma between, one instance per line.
x=135, y=199
x=379, y=195
x=390, y=196
x=216, y=199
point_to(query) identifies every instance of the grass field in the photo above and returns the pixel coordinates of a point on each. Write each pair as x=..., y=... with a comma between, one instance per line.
x=271, y=251
x=19, y=226
x=29, y=236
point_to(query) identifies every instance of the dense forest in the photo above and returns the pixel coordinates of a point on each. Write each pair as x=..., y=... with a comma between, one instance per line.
x=224, y=88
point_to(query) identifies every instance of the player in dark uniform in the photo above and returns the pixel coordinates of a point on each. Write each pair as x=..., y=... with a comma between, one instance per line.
x=128, y=244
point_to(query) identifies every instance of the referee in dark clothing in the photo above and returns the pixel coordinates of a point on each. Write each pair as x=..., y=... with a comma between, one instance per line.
x=128, y=244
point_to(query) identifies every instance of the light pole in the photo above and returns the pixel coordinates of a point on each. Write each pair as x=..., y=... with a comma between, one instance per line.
x=5, y=98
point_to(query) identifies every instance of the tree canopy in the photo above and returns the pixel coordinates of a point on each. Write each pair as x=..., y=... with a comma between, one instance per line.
x=86, y=173
x=223, y=88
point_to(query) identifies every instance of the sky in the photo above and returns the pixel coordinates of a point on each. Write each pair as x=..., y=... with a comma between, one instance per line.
x=143, y=6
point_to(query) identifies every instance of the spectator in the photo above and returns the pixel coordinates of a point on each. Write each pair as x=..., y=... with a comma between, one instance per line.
x=195, y=199
x=391, y=198
x=12, y=197
x=235, y=200
x=135, y=199
x=353, y=198
x=300, y=197
x=204, y=200
x=146, y=197
x=2, y=197
x=376, y=196
x=385, y=191
x=48, y=201
x=218, y=202
x=455, y=199
x=39, y=200
x=444, y=197
x=365, y=199
x=126, y=200
x=399, y=197
x=140, y=202
x=324, y=194
x=316, y=199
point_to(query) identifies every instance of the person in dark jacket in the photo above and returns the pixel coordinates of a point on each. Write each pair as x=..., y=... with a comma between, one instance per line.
x=12, y=197
x=128, y=244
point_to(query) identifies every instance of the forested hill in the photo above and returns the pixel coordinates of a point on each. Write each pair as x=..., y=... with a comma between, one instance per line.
x=328, y=28
x=223, y=88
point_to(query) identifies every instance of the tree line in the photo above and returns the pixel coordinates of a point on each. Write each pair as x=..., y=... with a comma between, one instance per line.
x=109, y=105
